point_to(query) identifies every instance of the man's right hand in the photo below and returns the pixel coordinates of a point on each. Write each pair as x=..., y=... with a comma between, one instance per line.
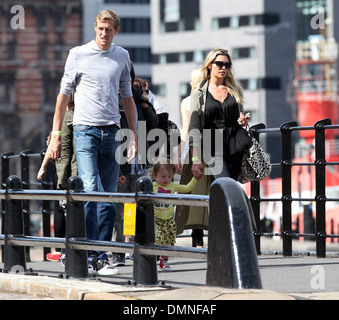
x=60, y=110
x=55, y=147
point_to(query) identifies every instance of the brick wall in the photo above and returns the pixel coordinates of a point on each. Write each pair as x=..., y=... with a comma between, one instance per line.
x=31, y=65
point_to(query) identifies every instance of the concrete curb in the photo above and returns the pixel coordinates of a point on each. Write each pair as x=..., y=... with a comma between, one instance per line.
x=68, y=289
x=198, y=294
x=59, y=289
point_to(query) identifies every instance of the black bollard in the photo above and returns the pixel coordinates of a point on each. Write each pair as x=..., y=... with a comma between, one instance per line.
x=232, y=260
x=14, y=256
x=144, y=266
x=76, y=260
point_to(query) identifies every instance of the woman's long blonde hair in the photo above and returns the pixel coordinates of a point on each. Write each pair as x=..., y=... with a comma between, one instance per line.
x=232, y=85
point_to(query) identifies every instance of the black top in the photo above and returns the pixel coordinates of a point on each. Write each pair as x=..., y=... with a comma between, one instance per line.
x=220, y=115
x=225, y=116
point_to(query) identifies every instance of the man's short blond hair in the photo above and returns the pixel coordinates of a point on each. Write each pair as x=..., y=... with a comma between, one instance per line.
x=108, y=15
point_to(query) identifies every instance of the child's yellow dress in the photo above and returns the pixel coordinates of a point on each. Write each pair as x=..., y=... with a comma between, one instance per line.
x=165, y=227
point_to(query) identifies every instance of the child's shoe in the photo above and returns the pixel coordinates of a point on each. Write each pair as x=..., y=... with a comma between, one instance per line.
x=55, y=256
x=164, y=266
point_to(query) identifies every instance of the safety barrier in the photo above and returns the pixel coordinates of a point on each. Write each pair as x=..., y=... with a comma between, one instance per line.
x=232, y=243
x=22, y=163
x=286, y=199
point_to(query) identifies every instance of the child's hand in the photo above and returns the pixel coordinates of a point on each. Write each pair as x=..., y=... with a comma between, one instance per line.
x=197, y=170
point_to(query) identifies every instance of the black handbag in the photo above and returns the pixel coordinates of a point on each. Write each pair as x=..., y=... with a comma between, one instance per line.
x=255, y=165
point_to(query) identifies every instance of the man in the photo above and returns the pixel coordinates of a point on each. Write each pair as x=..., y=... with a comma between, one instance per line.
x=97, y=70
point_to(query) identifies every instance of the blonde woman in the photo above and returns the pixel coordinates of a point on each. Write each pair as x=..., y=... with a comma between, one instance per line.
x=215, y=132
x=217, y=110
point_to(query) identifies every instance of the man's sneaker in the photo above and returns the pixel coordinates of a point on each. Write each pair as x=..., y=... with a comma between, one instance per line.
x=92, y=266
x=119, y=261
x=129, y=256
x=164, y=266
x=63, y=204
x=105, y=269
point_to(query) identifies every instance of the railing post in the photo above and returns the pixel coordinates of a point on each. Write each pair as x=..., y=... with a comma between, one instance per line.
x=231, y=259
x=144, y=266
x=14, y=255
x=76, y=260
x=4, y=176
x=26, y=203
x=286, y=169
x=320, y=178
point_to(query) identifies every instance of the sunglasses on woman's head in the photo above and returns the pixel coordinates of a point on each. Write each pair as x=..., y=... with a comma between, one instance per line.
x=221, y=64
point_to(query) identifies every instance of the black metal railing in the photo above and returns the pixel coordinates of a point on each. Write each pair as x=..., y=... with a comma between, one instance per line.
x=23, y=165
x=232, y=234
x=286, y=199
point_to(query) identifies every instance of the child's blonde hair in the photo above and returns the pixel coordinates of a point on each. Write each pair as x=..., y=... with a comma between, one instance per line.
x=163, y=163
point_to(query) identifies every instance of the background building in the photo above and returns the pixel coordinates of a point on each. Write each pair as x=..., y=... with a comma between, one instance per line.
x=31, y=64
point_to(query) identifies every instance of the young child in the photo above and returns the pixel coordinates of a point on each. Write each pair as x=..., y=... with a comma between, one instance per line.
x=165, y=227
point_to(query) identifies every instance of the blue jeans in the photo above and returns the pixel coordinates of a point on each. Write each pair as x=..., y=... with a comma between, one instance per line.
x=99, y=170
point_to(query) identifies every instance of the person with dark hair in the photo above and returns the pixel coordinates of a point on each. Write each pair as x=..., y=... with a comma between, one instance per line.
x=147, y=120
